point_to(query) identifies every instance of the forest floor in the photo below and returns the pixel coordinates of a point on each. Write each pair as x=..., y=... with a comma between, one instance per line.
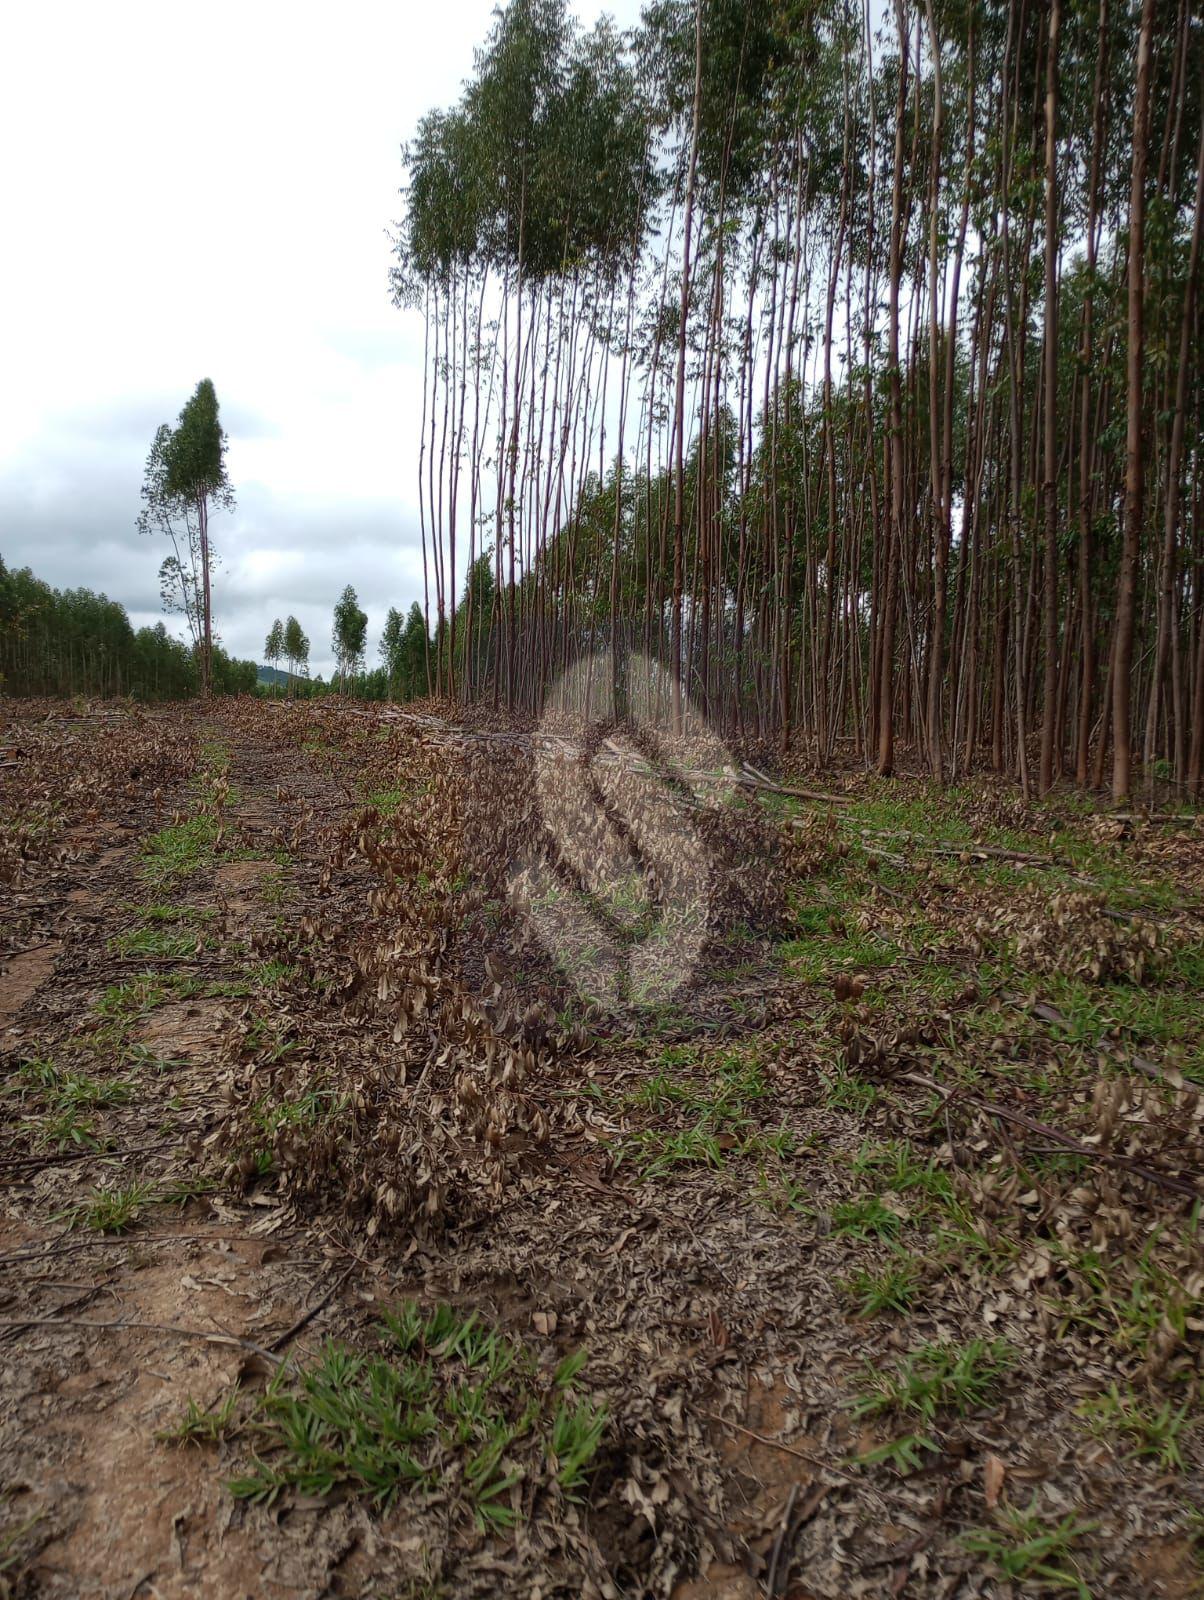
x=363, y=1233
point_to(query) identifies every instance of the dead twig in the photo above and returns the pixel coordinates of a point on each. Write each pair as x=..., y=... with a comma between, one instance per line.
x=778, y=1444
x=303, y=1321
x=771, y=1577
x=1065, y=1141
x=121, y=1326
x=128, y=1242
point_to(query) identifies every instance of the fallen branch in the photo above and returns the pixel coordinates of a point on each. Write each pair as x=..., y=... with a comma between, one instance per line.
x=1064, y=1141
x=19, y=1323
x=766, y=782
x=35, y=1163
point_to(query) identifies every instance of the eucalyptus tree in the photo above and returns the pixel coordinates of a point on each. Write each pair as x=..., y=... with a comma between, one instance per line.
x=295, y=646
x=348, y=635
x=185, y=480
x=799, y=343
x=273, y=646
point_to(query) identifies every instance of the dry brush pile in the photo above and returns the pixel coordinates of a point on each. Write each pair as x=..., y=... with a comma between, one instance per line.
x=429, y=1039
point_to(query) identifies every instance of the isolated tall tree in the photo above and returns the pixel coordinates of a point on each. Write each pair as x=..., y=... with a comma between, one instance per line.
x=348, y=634
x=185, y=480
x=180, y=574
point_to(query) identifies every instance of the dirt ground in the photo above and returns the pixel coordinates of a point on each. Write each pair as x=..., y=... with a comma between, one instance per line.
x=878, y=1232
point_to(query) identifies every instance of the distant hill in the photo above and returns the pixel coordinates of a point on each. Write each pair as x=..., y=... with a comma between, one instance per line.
x=273, y=675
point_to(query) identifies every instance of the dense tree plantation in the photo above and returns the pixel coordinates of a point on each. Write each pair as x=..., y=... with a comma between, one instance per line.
x=72, y=641
x=851, y=370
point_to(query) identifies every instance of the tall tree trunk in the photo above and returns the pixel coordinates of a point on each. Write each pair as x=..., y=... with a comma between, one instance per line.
x=895, y=535
x=1126, y=588
x=1049, y=486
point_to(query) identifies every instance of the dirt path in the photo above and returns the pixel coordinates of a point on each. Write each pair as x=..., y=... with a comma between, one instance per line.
x=117, y=1511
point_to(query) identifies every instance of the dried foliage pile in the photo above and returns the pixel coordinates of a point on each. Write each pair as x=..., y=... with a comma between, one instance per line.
x=379, y=1081
x=425, y=1109
x=57, y=775
x=1075, y=933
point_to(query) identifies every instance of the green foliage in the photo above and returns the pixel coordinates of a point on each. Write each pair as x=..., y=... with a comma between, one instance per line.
x=1028, y=1548
x=348, y=633
x=195, y=455
x=934, y=1378
x=448, y=1404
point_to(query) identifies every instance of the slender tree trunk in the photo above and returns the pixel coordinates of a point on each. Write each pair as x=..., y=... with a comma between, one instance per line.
x=1049, y=486
x=1126, y=590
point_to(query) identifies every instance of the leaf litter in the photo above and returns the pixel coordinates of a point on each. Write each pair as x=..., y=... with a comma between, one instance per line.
x=852, y=1143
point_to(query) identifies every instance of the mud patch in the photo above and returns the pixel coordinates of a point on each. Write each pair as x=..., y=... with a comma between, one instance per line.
x=138, y=1514
x=188, y=1030
x=24, y=974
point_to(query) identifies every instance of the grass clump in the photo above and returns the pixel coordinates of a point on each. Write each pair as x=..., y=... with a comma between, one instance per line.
x=1153, y=1433
x=892, y=1287
x=865, y=1218
x=114, y=1210
x=201, y=1424
x=155, y=942
x=1136, y=1308
x=121, y=1002
x=177, y=851
x=1026, y=1547
x=720, y=1108
x=899, y=1169
x=446, y=1403
x=935, y=1378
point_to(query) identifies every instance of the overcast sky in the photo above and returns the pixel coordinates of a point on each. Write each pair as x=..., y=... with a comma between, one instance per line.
x=206, y=191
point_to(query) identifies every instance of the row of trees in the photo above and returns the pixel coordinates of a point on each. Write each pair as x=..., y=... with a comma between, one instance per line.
x=287, y=641
x=73, y=641
x=404, y=652
x=854, y=372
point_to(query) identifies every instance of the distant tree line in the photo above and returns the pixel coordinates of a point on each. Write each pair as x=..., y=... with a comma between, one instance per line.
x=847, y=359
x=404, y=649
x=73, y=641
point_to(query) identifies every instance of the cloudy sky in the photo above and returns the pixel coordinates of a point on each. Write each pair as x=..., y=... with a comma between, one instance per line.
x=206, y=191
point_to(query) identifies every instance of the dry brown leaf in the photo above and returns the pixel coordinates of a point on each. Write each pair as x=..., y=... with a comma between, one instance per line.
x=992, y=1474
